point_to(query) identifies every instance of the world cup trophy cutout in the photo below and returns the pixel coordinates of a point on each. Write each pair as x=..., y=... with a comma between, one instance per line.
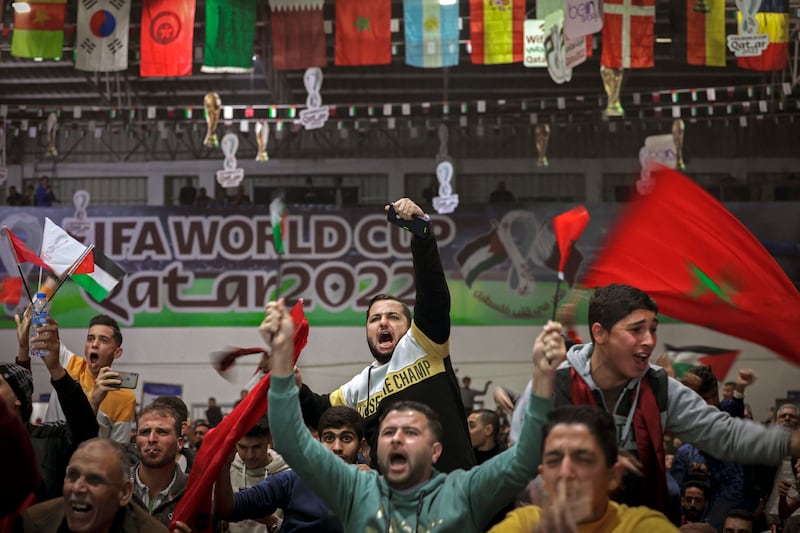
x=542, y=136
x=612, y=82
x=262, y=137
x=213, y=105
x=678, y=128
x=52, y=128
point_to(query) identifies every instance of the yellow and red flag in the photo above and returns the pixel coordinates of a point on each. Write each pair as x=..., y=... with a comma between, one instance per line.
x=497, y=31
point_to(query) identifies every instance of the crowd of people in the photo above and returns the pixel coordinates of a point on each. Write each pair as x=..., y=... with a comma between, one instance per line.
x=601, y=440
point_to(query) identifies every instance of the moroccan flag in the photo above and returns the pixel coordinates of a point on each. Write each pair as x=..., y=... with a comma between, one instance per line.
x=277, y=216
x=107, y=274
x=628, y=34
x=363, y=32
x=22, y=253
x=167, y=33
x=230, y=34
x=705, y=34
x=40, y=31
x=10, y=290
x=101, y=44
x=496, y=31
x=431, y=33
x=684, y=358
x=568, y=227
x=298, y=34
x=60, y=251
x=701, y=265
x=773, y=19
x=195, y=506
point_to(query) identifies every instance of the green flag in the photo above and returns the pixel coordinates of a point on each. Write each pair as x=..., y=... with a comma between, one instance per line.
x=230, y=34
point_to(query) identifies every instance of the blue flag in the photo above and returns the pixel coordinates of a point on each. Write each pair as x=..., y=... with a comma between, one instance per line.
x=431, y=33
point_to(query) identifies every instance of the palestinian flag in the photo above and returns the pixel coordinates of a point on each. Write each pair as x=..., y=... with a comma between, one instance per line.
x=107, y=274
x=480, y=255
x=684, y=358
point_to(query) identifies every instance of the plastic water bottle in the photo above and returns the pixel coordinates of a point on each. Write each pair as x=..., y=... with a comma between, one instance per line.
x=39, y=313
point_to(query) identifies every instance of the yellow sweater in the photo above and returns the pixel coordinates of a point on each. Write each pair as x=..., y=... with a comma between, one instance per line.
x=618, y=519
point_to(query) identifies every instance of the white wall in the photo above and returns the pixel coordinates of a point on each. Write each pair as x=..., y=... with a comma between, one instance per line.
x=334, y=354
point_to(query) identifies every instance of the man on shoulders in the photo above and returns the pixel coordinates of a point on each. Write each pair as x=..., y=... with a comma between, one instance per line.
x=579, y=468
x=412, y=357
x=115, y=408
x=97, y=497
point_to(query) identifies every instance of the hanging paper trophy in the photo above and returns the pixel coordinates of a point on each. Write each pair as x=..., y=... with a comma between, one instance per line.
x=542, y=136
x=52, y=128
x=315, y=115
x=678, y=127
x=612, y=82
x=446, y=201
x=230, y=175
x=213, y=105
x=262, y=136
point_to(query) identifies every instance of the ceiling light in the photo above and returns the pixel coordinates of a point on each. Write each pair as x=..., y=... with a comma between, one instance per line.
x=22, y=7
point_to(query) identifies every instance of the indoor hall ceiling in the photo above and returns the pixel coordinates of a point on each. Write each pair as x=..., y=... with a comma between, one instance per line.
x=30, y=88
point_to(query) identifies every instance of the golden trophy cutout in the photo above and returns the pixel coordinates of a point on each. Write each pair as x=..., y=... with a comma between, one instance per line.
x=213, y=105
x=542, y=135
x=612, y=82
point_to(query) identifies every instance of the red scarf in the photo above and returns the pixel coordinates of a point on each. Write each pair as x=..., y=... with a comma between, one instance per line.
x=194, y=508
x=648, y=433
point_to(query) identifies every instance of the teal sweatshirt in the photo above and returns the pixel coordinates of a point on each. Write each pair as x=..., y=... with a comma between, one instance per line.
x=462, y=501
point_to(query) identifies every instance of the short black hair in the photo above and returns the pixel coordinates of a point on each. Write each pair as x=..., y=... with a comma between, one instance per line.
x=105, y=320
x=382, y=296
x=742, y=514
x=708, y=381
x=612, y=303
x=696, y=484
x=599, y=422
x=340, y=416
x=163, y=409
x=434, y=424
x=260, y=428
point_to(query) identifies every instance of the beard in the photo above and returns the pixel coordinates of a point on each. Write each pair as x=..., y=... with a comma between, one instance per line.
x=379, y=356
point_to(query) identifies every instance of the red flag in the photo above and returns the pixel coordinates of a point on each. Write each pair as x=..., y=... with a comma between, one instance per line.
x=167, y=33
x=628, y=35
x=10, y=290
x=195, y=505
x=363, y=32
x=22, y=253
x=568, y=227
x=298, y=34
x=701, y=265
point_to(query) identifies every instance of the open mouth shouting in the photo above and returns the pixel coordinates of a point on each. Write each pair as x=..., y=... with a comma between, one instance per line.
x=398, y=462
x=385, y=340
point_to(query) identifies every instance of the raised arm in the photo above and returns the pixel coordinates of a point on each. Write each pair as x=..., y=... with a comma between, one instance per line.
x=432, y=307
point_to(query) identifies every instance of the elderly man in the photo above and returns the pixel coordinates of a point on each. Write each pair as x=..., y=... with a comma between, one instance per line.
x=97, y=497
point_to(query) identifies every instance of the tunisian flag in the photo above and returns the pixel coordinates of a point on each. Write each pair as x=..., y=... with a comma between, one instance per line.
x=298, y=34
x=194, y=509
x=628, y=34
x=363, y=32
x=701, y=265
x=167, y=33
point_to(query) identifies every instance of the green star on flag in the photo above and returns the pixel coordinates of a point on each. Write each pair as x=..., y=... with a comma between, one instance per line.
x=704, y=283
x=362, y=23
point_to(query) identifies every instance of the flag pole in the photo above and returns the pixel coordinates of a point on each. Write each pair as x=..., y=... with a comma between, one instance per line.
x=555, y=296
x=70, y=270
x=19, y=267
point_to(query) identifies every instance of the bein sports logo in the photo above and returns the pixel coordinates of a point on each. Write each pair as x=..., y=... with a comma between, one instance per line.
x=165, y=27
x=583, y=11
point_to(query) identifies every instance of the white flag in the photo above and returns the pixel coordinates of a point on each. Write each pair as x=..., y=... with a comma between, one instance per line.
x=102, y=36
x=60, y=250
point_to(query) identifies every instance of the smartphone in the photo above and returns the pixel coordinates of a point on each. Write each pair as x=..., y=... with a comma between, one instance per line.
x=419, y=226
x=129, y=380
